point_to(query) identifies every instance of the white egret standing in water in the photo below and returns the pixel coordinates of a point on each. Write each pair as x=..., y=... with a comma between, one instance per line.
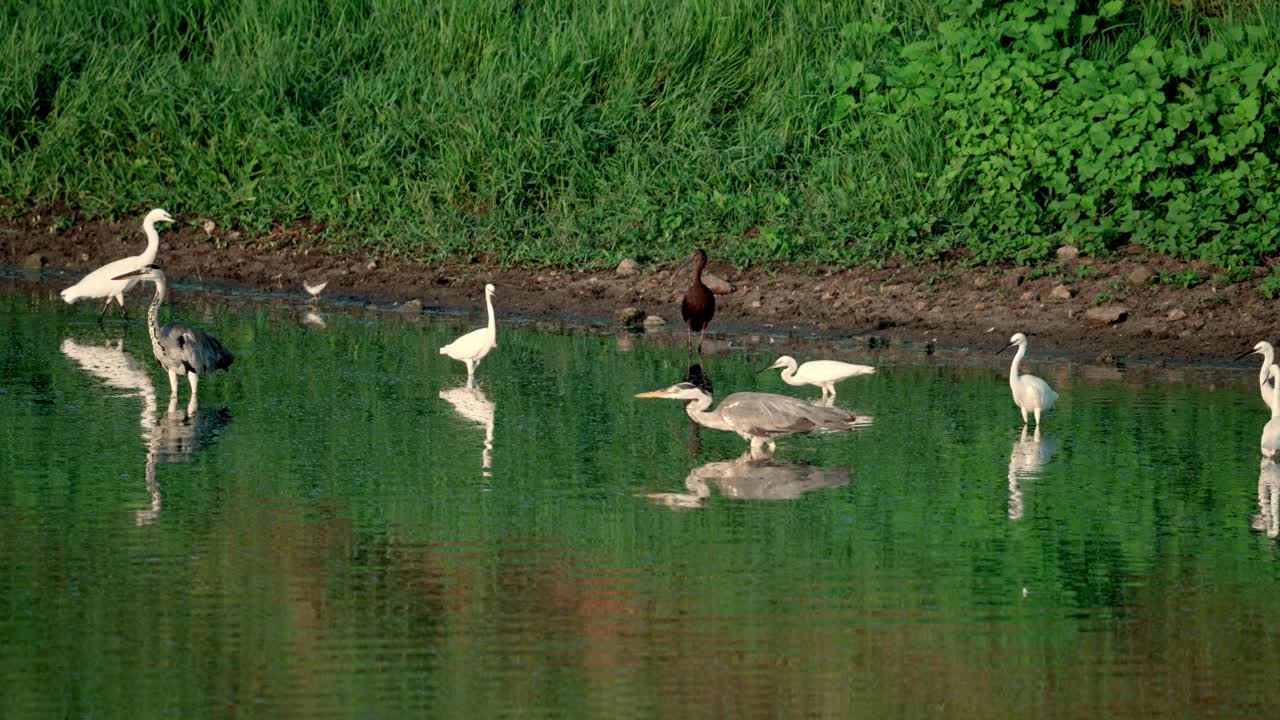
x=1268, y=354
x=1030, y=393
x=180, y=348
x=1271, y=433
x=472, y=347
x=758, y=418
x=823, y=373
x=105, y=281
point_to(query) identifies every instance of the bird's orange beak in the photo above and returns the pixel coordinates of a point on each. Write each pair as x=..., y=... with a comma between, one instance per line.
x=659, y=394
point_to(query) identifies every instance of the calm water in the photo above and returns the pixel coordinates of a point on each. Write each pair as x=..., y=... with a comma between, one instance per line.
x=341, y=529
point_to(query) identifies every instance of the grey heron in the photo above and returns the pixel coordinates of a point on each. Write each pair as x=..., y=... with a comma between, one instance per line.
x=472, y=347
x=181, y=349
x=105, y=282
x=756, y=417
x=1268, y=354
x=823, y=373
x=1030, y=393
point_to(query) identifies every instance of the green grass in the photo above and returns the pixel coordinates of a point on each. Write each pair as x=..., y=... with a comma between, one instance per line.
x=568, y=133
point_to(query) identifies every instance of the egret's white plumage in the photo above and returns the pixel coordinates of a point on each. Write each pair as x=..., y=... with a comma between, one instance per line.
x=181, y=349
x=823, y=373
x=472, y=347
x=1268, y=354
x=758, y=418
x=103, y=282
x=1271, y=433
x=1030, y=393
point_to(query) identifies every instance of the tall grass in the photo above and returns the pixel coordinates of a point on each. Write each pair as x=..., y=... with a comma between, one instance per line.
x=534, y=131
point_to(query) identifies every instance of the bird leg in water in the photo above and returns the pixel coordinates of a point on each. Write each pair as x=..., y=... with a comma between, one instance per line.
x=104, y=311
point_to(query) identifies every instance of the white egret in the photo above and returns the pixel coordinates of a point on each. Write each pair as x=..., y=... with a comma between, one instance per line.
x=758, y=418
x=104, y=282
x=823, y=373
x=1268, y=354
x=472, y=347
x=1271, y=433
x=180, y=348
x=1030, y=393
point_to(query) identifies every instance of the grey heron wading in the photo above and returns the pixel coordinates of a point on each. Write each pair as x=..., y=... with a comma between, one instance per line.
x=758, y=418
x=105, y=282
x=181, y=349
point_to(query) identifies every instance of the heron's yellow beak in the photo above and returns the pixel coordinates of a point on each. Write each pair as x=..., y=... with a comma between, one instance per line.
x=652, y=394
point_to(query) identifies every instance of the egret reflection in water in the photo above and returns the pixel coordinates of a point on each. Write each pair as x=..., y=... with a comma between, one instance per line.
x=472, y=404
x=1026, y=461
x=1268, y=517
x=748, y=478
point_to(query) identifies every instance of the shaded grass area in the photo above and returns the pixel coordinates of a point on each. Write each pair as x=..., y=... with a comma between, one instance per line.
x=531, y=132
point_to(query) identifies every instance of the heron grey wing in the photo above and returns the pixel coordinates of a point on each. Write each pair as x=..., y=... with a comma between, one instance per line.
x=764, y=414
x=196, y=350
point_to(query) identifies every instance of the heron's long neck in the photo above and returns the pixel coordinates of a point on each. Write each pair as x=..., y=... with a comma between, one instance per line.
x=153, y=313
x=1268, y=357
x=697, y=411
x=493, y=324
x=153, y=242
x=1013, y=369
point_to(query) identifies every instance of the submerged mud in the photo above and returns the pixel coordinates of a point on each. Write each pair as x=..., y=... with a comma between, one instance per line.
x=1133, y=305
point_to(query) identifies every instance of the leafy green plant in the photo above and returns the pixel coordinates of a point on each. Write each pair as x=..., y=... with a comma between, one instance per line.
x=1187, y=279
x=1269, y=287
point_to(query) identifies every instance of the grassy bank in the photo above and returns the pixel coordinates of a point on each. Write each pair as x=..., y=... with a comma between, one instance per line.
x=536, y=132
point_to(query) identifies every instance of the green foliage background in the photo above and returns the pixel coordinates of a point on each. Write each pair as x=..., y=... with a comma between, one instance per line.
x=580, y=133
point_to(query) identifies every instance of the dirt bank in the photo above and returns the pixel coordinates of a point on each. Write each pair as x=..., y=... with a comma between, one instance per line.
x=1134, y=305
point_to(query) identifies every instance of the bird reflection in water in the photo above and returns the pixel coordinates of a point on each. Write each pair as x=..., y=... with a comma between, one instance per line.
x=174, y=438
x=472, y=404
x=1268, y=517
x=753, y=478
x=1026, y=459
x=313, y=319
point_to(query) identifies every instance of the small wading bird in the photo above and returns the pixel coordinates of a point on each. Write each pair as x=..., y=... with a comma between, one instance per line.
x=472, y=347
x=699, y=303
x=314, y=290
x=758, y=418
x=1030, y=393
x=104, y=282
x=181, y=349
x=823, y=373
x=1271, y=433
x=1268, y=354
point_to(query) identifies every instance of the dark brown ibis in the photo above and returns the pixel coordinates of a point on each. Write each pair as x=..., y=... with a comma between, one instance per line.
x=699, y=304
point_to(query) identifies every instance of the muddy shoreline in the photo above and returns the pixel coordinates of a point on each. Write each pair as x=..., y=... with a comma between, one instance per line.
x=1132, y=306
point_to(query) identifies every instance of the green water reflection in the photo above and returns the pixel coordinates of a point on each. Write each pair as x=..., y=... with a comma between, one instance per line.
x=344, y=529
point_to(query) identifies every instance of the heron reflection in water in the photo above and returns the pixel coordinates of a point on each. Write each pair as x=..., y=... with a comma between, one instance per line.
x=750, y=478
x=1268, y=517
x=1026, y=460
x=174, y=438
x=472, y=404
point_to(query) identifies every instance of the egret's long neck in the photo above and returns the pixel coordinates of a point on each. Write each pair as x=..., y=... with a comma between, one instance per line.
x=153, y=313
x=1268, y=357
x=1017, y=360
x=493, y=324
x=789, y=374
x=153, y=242
x=697, y=411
